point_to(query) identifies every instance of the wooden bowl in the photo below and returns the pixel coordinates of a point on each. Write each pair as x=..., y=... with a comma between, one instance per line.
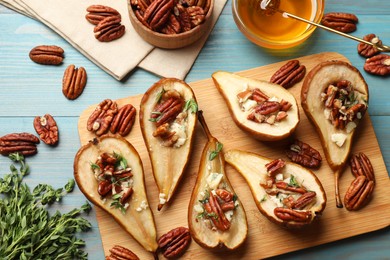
x=171, y=41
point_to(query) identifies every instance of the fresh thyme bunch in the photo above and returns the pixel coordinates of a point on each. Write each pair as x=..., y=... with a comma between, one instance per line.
x=27, y=231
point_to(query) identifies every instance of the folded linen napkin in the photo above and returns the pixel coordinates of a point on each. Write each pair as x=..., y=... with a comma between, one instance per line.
x=118, y=57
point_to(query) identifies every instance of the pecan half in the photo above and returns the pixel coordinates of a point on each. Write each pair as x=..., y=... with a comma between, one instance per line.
x=358, y=193
x=74, y=82
x=361, y=165
x=303, y=154
x=378, y=65
x=47, y=129
x=47, y=54
x=100, y=120
x=121, y=253
x=366, y=50
x=172, y=26
x=23, y=143
x=109, y=29
x=218, y=216
x=96, y=13
x=343, y=22
x=286, y=214
x=284, y=186
x=170, y=106
x=174, y=243
x=124, y=120
x=197, y=15
x=304, y=200
x=157, y=13
x=274, y=167
x=289, y=74
x=183, y=17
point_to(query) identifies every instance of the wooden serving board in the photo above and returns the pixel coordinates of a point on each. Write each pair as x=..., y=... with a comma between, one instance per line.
x=265, y=239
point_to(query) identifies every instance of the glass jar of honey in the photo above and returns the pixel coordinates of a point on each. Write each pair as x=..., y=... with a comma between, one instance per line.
x=274, y=30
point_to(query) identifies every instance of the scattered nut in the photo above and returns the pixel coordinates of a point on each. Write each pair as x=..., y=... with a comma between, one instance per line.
x=73, y=82
x=47, y=54
x=100, y=120
x=109, y=29
x=23, y=143
x=361, y=165
x=358, y=193
x=343, y=22
x=175, y=242
x=96, y=13
x=303, y=154
x=47, y=129
x=124, y=120
x=289, y=74
x=378, y=65
x=366, y=50
x=121, y=253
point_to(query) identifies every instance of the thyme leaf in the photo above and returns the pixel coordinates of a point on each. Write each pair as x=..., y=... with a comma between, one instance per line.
x=27, y=230
x=214, y=153
x=192, y=105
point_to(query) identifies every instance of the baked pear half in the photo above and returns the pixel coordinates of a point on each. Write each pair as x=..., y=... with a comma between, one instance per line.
x=264, y=110
x=109, y=171
x=335, y=97
x=284, y=192
x=216, y=217
x=168, y=119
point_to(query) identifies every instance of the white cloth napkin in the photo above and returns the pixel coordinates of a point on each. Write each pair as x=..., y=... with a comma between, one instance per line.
x=119, y=57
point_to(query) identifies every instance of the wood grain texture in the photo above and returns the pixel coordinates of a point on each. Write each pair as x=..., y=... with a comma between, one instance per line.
x=27, y=90
x=265, y=239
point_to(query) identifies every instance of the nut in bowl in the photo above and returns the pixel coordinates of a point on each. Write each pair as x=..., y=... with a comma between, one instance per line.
x=268, y=28
x=171, y=24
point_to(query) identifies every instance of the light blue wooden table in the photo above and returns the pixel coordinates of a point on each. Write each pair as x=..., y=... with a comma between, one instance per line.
x=28, y=90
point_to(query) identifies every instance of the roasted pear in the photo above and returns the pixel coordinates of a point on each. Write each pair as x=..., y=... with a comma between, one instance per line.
x=334, y=97
x=168, y=118
x=264, y=110
x=109, y=171
x=286, y=193
x=216, y=218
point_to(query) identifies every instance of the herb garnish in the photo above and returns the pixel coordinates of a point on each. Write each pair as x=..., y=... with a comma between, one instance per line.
x=214, y=154
x=159, y=95
x=116, y=202
x=191, y=104
x=293, y=181
x=27, y=231
x=121, y=161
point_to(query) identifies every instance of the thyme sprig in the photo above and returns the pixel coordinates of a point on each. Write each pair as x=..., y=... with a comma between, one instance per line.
x=27, y=231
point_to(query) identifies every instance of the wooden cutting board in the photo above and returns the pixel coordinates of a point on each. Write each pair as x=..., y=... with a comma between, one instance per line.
x=265, y=239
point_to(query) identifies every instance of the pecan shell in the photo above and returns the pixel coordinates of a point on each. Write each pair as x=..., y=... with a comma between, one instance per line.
x=289, y=74
x=46, y=128
x=175, y=242
x=343, y=22
x=23, y=143
x=109, y=29
x=73, y=82
x=124, y=120
x=96, y=13
x=358, y=193
x=303, y=154
x=361, y=165
x=378, y=65
x=100, y=120
x=47, y=54
x=121, y=253
x=366, y=50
